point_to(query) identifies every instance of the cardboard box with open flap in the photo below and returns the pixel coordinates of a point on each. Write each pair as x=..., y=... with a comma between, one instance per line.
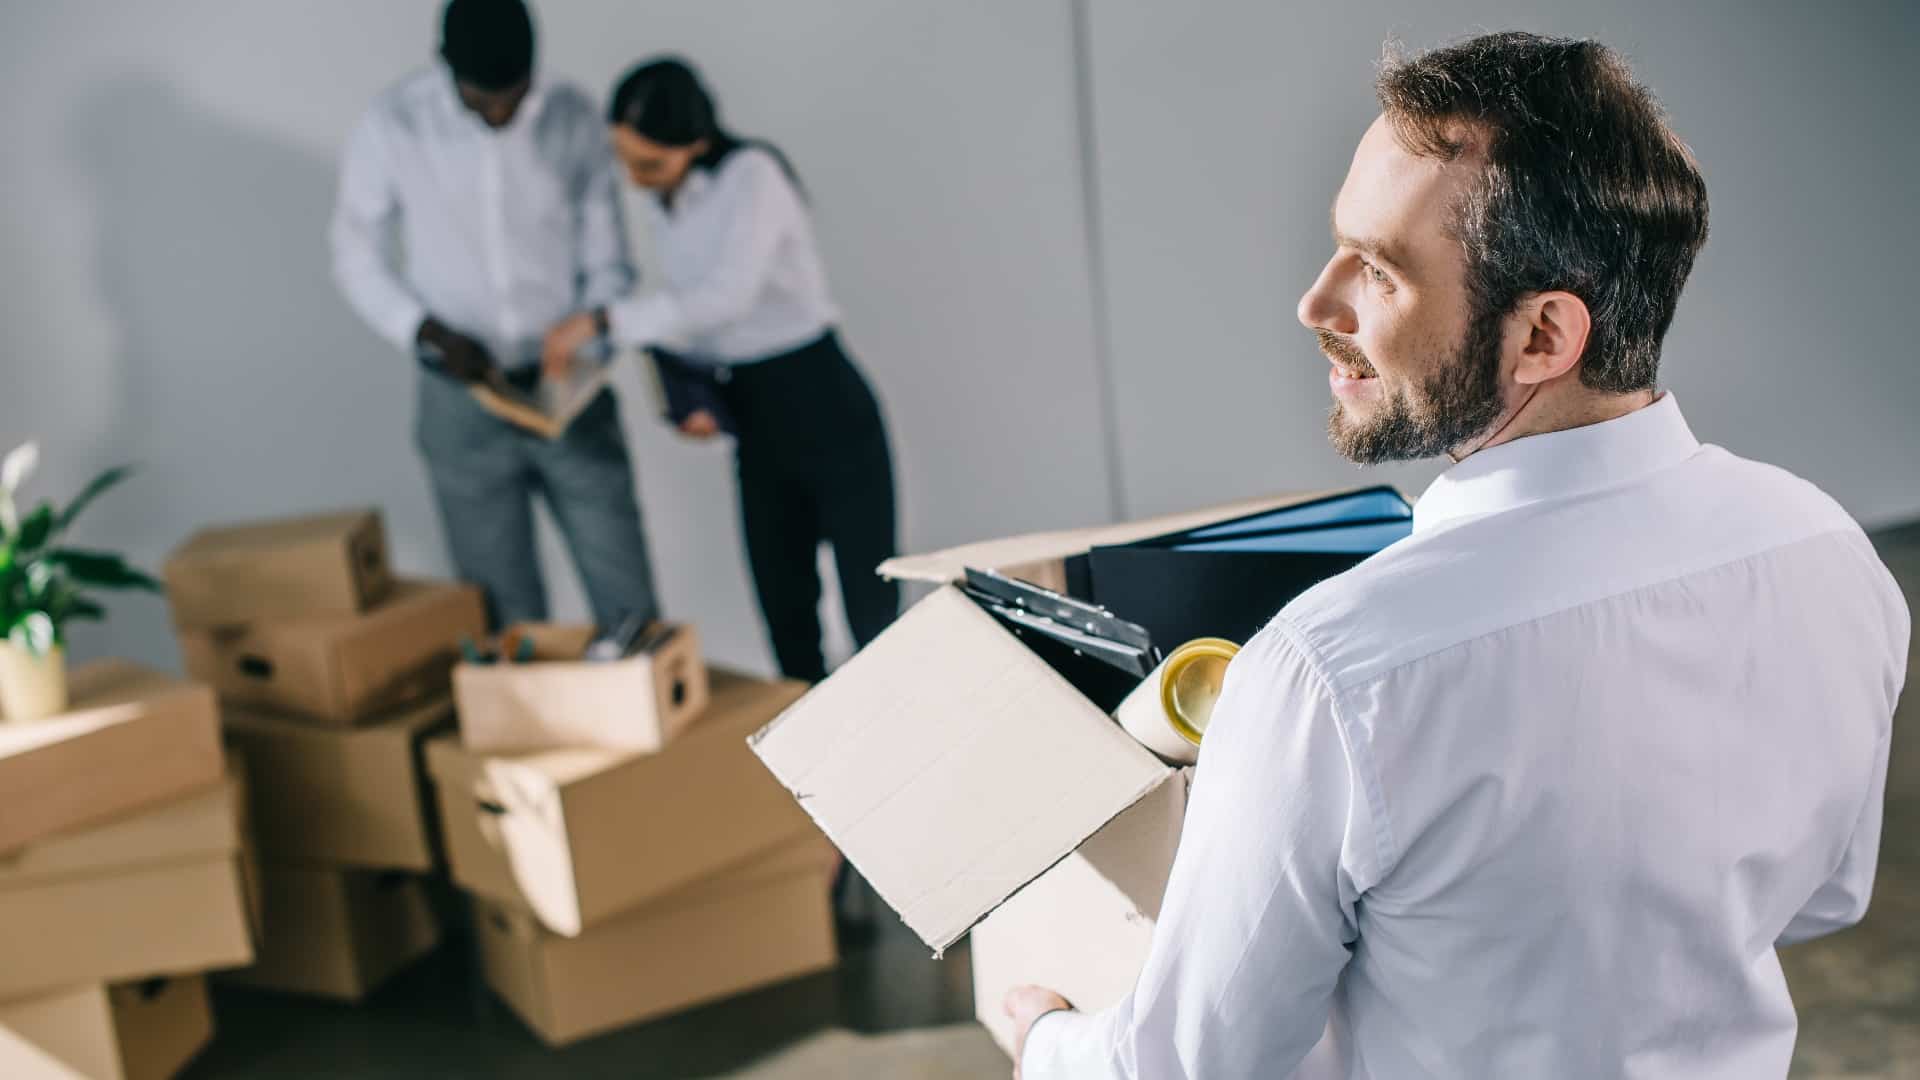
x=301, y=567
x=558, y=699
x=131, y=737
x=1010, y=767
x=351, y=797
x=145, y=1030
x=343, y=669
x=337, y=933
x=166, y=891
x=578, y=836
x=761, y=922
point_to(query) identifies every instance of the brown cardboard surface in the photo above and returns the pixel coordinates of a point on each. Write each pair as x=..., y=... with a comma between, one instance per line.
x=289, y=568
x=136, y=1031
x=130, y=738
x=342, y=670
x=952, y=765
x=158, y=893
x=1083, y=928
x=342, y=796
x=762, y=923
x=338, y=933
x=559, y=700
x=162, y=1024
x=1039, y=557
x=67, y=1034
x=580, y=835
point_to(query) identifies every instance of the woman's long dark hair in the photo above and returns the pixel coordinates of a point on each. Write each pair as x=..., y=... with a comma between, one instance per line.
x=664, y=101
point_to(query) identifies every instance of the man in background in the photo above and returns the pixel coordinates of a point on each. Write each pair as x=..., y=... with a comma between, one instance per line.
x=477, y=208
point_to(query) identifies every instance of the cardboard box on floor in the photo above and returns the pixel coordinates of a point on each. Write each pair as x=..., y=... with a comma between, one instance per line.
x=1011, y=770
x=560, y=700
x=147, y=1030
x=578, y=836
x=163, y=892
x=762, y=922
x=131, y=737
x=337, y=933
x=353, y=797
x=341, y=670
x=324, y=564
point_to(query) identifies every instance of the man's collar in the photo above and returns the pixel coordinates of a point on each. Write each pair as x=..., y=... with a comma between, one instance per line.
x=1559, y=463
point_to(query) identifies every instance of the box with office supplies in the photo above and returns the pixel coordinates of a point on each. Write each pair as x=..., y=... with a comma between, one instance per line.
x=131, y=737
x=350, y=797
x=632, y=692
x=762, y=922
x=145, y=1030
x=337, y=933
x=580, y=835
x=322, y=564
x=164, y=891
x=996, y=699
x=342, y=669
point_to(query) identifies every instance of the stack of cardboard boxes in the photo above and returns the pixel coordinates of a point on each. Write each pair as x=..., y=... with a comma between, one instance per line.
x=124, y=874
x=330, y=674
x=626, y=854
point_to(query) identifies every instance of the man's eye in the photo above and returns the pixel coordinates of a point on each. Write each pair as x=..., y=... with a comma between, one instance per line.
x=1378, y=275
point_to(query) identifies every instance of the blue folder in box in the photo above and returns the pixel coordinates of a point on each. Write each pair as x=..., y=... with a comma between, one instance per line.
x=1226, y=579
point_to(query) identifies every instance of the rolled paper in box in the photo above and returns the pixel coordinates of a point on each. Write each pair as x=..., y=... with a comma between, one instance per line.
x=1168, y=713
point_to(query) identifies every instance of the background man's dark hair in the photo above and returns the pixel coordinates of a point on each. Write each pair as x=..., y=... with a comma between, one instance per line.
x=1584, y=187
x=487, y=43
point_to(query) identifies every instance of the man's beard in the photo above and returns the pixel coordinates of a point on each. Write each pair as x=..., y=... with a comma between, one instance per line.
x=1457, y=402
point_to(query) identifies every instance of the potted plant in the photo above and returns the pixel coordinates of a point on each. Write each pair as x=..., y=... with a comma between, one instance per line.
x=41, y=586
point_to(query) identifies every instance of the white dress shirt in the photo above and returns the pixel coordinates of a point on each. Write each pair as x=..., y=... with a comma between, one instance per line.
x=743, y=276
x=500, y=234
x=1534, y=792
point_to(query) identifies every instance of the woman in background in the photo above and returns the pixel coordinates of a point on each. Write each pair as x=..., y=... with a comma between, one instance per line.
x=745, y=291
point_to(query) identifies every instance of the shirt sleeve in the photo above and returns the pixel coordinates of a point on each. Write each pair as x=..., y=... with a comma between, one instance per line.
x=1841, y=900
x=1259, y=917
x=755, y=201
x=365, y=212
x=606, y=264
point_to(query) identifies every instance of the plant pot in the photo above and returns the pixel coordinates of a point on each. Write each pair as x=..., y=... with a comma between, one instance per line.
x=32, y=687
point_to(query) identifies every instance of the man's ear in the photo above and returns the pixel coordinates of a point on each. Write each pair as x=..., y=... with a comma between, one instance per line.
x=1552, y=329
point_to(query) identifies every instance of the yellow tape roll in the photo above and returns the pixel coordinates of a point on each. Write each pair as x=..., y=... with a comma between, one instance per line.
x=1190, y=681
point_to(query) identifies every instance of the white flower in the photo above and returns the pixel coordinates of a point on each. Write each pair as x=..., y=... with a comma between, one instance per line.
x=14, y=472
x=18, y=466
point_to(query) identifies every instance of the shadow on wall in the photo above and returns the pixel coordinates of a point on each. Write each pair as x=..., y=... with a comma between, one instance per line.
x=239, y=381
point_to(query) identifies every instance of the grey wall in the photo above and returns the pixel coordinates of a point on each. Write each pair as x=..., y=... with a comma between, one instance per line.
x=169, y=168
x=165, y=299
x=1223, y=131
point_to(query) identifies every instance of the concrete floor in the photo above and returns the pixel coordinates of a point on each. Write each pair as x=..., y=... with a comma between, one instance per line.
x=1858, y=994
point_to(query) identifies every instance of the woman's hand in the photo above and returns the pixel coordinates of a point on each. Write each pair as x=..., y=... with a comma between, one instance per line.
x=567, y=338
x=700, y=424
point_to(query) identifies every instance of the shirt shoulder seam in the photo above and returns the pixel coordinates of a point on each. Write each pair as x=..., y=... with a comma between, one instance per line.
x=1386, y=850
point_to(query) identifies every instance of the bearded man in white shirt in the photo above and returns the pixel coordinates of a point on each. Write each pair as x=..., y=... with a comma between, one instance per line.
x=496, y=191
x=1537, y=791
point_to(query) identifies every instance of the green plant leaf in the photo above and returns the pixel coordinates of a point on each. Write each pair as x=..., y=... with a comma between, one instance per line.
x=102, y=570
x=82, y=608
x=35, y=529
x=91, y=492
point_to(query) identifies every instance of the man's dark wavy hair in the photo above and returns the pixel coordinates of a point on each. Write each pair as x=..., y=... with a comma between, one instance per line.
x=1583, y=187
